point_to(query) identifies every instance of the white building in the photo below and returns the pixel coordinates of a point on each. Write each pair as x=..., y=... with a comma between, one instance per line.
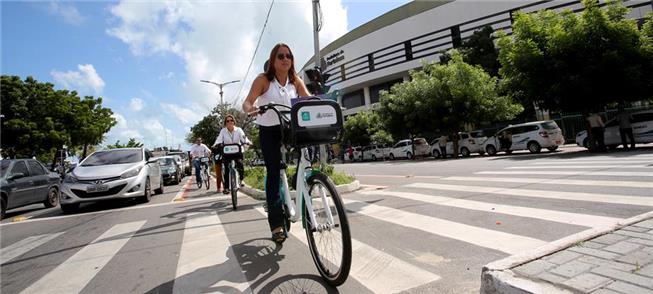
x=380, y=53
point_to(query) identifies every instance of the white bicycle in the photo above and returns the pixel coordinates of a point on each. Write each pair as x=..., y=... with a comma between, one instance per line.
x=204, y=173
x=322, y=211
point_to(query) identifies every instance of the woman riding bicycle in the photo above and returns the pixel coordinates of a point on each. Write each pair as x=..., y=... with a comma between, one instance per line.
x=278, y=84
x=231, y=134
x=197, y=151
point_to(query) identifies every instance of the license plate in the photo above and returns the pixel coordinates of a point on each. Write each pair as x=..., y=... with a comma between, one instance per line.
x=97, y=188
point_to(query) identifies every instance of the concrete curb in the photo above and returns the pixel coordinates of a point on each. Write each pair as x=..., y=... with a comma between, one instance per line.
x=260, y=194
x=496, y=277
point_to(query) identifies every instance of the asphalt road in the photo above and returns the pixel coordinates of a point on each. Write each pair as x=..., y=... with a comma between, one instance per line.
x=425, y=226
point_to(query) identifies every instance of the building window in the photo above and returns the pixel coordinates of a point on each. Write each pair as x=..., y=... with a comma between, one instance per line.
x=374, y=90
x=353, y=99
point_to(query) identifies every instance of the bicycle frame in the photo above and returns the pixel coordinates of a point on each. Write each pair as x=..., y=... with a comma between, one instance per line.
x=303, y=195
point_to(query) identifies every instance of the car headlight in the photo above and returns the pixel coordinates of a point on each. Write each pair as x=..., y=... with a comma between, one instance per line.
x=69, y=178
x=131, y=173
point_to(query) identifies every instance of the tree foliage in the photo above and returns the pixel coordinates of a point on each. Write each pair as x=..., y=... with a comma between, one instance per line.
x=37, y=119
x=479, y=49
x=365, y=128
x=564, y=61
x=132, y=143
x=444, y=97
x=210, y=125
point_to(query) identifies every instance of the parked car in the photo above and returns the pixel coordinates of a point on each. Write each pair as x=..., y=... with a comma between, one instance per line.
x=375, y=152
x=642, y=124
x=186, y=165
x=469, y=142
x=112, y=174
x=180, y=163
x=531, y=136
x=404, y=149
x=170, y=170
x=27, y=181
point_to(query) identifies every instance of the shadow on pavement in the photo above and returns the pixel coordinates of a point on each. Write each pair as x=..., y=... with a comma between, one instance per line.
x=618, y=153
x=298, y=284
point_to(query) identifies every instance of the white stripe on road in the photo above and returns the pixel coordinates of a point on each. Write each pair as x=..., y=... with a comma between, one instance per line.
x=578, y=166
x=21, y=247
x=550, y=215
x=615, y=161
x=378, y=271
x=487, y=238
x=629, y=184
x=569, y=173
x=575, y=196
x=74, y=274
x=204, y=247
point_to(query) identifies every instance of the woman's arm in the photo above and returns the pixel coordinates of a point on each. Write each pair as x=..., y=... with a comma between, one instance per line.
x=302, y=91
x=257, y=89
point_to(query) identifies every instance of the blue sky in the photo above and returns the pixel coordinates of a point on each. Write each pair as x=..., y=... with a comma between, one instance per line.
x=146, y=58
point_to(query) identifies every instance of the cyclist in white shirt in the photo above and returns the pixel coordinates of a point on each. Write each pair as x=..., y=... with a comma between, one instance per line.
x=197, y=151
x=231, y=134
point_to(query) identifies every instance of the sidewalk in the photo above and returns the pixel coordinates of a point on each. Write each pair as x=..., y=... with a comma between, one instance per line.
x=600, y=261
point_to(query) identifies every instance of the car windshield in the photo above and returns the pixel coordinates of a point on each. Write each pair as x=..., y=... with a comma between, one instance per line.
x=477, y=134
x=167, y=161
x=4, y=166
x=114, y=157
x=550, y=125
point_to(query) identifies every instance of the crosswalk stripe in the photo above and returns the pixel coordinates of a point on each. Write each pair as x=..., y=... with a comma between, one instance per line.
x=21, y=247
x=619, y=161
x=578, y=166
x=505, y=242
x=569, y=173
x=576, y=196
x=629, y=184
x=378, y=271
x=205, y=244
x=74, y=274
x=544, y=214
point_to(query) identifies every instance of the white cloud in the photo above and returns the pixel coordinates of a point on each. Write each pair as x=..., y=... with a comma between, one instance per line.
x=136, y=104
x=216, y=39
x=83, y=81
x=67, y=11
x=121, y=121
x=185, y=115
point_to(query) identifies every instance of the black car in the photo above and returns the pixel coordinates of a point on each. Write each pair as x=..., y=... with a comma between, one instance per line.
x=27, y=181
x=170, y=171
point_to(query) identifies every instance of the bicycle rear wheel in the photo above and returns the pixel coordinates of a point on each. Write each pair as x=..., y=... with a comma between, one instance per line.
x=207, y=179
x=330, y=245
x=234, y=188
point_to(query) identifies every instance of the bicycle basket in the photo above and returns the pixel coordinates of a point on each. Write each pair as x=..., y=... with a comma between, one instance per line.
x=231, y=151
x=204, y=159
x=316, y=122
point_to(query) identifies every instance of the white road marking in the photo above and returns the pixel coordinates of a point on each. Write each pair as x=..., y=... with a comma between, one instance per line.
x=578, y=166
x=544, y=214
x=21, y=247
x=74, y=274
x=205, y=246
x=376, y=270
x=629, y=184
x=616, y=161
x=570, y=173
x=575, y=196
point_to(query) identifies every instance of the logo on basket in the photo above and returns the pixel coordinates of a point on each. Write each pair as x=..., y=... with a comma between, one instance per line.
x=325, y=115
x=306, y=116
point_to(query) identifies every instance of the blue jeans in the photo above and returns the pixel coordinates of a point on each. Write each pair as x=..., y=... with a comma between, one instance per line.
x=197, y=164
x=270, y=138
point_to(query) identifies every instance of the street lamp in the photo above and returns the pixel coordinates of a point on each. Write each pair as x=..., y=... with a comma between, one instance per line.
x=219, y=85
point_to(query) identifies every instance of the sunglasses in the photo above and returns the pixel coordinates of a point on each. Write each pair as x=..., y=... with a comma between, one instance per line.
x=229, y=120
x=282, y=56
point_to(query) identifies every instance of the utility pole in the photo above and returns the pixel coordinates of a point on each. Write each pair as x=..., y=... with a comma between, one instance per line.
x=220, y=85
x=317, y=23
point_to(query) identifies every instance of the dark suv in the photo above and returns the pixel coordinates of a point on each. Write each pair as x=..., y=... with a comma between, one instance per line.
x=27, y=181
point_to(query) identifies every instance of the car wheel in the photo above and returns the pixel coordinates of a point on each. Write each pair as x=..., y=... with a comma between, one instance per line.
x=585, y=141
x=465, y=152
x=534, y=147
x=552, y=148
x=160, y=189
x=373, y=157
x=491, y=150
x=392, y=156
x=481, y=153
x=147, y=193
x=435, y=153
x=3, y=207
x=69, y=208
x=53, y=198
x=409, y=155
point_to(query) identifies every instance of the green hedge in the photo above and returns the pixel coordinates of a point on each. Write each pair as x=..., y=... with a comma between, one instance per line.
x=254, y=176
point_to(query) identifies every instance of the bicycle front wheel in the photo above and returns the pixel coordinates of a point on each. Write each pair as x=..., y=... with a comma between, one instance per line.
x=330, y=244
x=234, y=188
x=207, y=179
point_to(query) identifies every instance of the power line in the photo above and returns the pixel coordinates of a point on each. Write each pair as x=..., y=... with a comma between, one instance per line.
x=255, y=51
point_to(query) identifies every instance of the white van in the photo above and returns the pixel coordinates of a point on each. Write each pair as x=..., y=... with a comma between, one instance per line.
x=531, y=136
x=404, y=149
x=642, y=130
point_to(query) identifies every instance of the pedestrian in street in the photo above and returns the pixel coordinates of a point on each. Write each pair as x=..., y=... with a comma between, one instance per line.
x=597, y=127
x=625, y=128
x=442, y=142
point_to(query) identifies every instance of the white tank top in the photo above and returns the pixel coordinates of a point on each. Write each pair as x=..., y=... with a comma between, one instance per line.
x=275, y=94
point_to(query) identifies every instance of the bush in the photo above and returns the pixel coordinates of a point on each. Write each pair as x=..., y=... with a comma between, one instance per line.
x=254, y=176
